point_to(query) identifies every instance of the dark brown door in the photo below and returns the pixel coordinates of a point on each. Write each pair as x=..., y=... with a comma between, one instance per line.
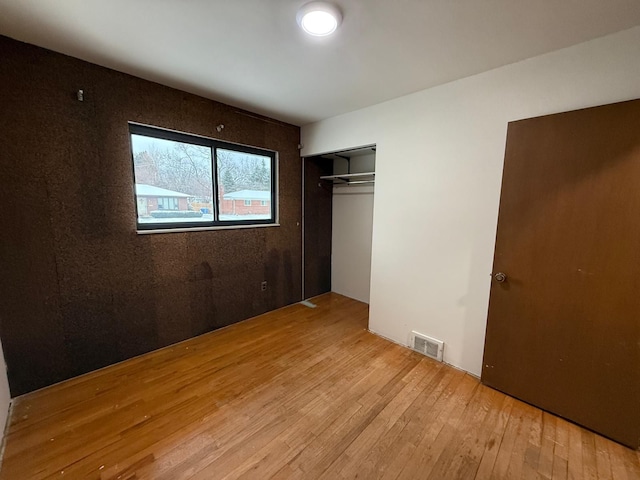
x=563, y=329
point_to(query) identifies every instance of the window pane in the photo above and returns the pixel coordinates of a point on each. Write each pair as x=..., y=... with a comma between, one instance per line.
x=245, y=185
x=173, y=181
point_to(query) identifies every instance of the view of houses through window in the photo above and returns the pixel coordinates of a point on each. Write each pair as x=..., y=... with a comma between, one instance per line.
x=245, y=181
x=176, y=176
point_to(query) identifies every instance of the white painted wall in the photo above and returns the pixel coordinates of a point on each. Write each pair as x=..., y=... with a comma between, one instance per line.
x=438, y=172
x=5, y=396
x=352, y=227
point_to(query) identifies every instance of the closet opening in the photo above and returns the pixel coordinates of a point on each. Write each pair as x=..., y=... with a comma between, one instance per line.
x=338, y=194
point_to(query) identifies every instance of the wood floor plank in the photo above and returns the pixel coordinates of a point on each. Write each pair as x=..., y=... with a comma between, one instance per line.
x=232, y=435
x=603, y=464
x=511, y=434
x=589, y=461
x=377, y=448
x=548, y=442
x=518, y=453
x=297, y=393
x=561, y=451
x=494, y=440
x=461, y=456
x=624, y=462
x=533, y=446
x=440, y=431
x=415, y=429
x=375, y=379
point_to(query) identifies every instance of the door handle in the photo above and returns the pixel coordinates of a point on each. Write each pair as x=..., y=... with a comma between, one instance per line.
x=500, y=277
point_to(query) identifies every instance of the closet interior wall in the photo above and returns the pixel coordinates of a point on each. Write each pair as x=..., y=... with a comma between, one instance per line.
x=352, y=230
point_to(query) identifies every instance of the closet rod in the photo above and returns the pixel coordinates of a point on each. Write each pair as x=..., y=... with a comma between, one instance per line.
x=356, y=182
x=348, y=176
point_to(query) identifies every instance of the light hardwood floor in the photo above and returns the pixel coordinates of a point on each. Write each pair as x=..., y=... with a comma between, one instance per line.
x=296, y=393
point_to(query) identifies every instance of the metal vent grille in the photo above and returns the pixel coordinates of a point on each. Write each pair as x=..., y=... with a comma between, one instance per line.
x=420, y=344
x=427, y=346
x=432, y=349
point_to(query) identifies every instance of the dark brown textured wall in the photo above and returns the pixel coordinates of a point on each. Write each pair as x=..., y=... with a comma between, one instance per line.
x=318, y=207
x=79, y=288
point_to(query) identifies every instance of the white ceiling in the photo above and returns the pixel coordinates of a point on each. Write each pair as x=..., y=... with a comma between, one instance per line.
x=251, y=53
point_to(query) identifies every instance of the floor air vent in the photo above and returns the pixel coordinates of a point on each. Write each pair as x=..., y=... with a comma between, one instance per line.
x=427, y=346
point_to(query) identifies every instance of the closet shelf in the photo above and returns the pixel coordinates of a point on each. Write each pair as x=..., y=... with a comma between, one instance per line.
x=351, y=178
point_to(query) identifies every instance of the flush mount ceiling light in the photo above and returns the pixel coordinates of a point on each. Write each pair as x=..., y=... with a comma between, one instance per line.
x=319, y=18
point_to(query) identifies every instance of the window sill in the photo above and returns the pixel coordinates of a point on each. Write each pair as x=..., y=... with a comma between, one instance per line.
x=203, y=229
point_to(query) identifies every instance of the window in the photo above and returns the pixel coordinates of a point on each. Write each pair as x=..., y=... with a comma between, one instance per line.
x=167, y=203
x=186, y=181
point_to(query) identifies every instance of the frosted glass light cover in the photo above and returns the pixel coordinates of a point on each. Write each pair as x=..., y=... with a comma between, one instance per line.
x=319, y=18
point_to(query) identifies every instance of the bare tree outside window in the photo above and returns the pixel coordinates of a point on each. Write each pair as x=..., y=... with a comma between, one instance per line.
x=175, y=174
